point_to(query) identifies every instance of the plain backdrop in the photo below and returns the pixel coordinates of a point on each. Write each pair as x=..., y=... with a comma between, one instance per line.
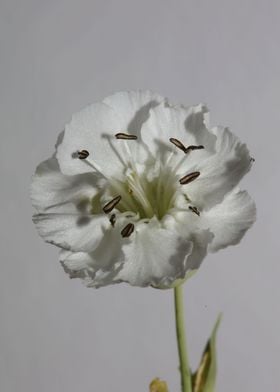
x=55, y=58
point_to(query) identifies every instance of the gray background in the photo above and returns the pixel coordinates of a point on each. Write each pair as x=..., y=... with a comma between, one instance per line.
x=58, y=56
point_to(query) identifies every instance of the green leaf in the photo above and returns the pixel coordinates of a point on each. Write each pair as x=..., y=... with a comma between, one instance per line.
x=204, y=379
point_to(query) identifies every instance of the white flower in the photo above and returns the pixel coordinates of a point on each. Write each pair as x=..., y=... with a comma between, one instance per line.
x=139, y=190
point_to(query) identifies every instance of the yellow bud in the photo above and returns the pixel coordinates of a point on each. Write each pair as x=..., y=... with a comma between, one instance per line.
x=158, y=385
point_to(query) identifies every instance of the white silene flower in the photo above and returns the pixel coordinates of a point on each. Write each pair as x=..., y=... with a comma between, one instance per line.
x=139, y=190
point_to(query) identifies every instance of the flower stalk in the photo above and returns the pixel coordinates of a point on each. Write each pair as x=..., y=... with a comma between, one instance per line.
x=186, y=385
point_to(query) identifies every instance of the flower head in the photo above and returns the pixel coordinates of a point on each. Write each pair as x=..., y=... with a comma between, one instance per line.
x=139, y=191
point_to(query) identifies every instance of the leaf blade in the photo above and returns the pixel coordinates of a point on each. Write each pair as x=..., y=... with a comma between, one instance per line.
x=204, y=380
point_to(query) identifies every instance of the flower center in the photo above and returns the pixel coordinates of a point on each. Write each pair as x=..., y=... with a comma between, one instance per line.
x=145, y=197
x=150, y=193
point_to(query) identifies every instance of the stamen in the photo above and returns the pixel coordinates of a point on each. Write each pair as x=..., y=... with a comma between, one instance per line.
x=177, y=143
x=112, y=204
x=125, y=136
x=113, y=219
x=83, y=154
x=181, y=146
x=195, y=210
x=189, y=178
x=127, y=230
x=252, y=159
x=192, y=148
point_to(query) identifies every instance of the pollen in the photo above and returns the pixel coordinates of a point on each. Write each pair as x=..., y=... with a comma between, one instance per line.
x=113, y=219
x=127, y=230
x=194, y=210
x=189, y=178
x=181, y=146
x=178, y=144
x=83, y=154
x=125, y=136
x=112, y=204
x=192, y=148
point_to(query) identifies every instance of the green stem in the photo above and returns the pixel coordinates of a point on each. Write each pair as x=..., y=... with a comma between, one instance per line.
x=181, y=340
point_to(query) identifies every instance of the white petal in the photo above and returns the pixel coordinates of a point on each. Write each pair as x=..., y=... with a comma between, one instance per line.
x=100, y=267
x=52, y=191
x=193, y=228
x=133, y=110
x=201, y=241
x=72, y=231
x=197, y=124
x=91, y=129
x=185, y=124
x=151, y=256
x=76, y=264
x=65, y=206
x=83, y=266
x=132, y=107
x=154, y=256
x=230, y=220
x=221, y=172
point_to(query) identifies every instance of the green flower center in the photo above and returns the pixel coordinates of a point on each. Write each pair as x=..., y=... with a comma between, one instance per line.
x=145, y=197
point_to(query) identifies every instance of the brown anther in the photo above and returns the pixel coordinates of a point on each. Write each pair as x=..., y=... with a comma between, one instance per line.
x=113, y=219
x=178, y=144
x=83, y=154
x=195, y=210
x=252, y=159
x=112, y=204
x=127, y=230
x=189, y=178
x=130, y=191
x=125, y=136
x=192, y=148
x=181, y=146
